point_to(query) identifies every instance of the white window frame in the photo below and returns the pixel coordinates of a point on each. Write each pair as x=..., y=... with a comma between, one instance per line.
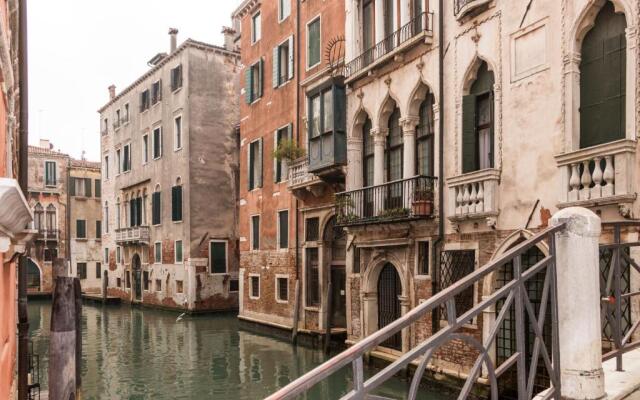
x=159, y=98
x=416, y=258
x=255, y=38
x=277, y=288
x=311, y=21
x=175, y=133
x=279, y=248
x=282, y=17
x=251, y=296
x=55, y=169
x=127, y=110
x=145, y=148
x=118, y=161
x=106, y=166
x=226, y=257
x=251, y=232
x=289, y=77
x=124, y=161
x=116, y=121
x=153, y=141
x=118, y=255
x=175, y=251
x=155, y=259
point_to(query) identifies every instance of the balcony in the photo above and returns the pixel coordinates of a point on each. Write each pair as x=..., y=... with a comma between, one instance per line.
x=474, y=195
x=598, y=175
x=402, y=200
x=421, y=27
x=46, y=234
x=462, y=8
x=133, y=235
x=302, y=181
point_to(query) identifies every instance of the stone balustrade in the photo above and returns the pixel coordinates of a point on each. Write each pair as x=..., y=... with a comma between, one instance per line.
x=301, y=180
x=474, y=194
x=133, y=234
x=597, y=175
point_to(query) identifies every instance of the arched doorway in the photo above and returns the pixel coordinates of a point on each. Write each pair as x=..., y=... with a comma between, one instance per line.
x=506, y=337
x=33, y=276
x=137, y=280
x=335, y=240
x=389, y=308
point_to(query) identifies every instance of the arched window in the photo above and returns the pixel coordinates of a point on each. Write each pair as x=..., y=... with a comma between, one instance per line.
x=51, y=218
x=38, y=215
x=367, y=154
x=478, y=122
x=337, y=239
x=603, y=79
x=393, y=150
x=176, y=201
x=424, y=138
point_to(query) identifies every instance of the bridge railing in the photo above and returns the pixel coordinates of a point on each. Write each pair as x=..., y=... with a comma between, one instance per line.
x=514, y=294
x=616, y=264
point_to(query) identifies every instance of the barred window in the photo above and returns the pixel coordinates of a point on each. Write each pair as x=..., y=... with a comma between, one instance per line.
x=455, y=265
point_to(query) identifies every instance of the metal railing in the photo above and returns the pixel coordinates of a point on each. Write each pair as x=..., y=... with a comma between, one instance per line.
x=47, y=233
x=513, y=293
x=615, y=264
x=423, y=22
x=397, y=200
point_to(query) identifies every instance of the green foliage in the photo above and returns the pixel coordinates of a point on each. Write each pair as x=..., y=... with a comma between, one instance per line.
x=288, y=150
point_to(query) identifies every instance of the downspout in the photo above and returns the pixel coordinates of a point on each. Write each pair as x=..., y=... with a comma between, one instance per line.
x=67, y=229
x=439, y=242
x=23, y=317
x=297, y=75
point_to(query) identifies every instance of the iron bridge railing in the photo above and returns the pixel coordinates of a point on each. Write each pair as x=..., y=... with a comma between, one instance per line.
x=615, y=287
x=515, y=296
x=423, y=22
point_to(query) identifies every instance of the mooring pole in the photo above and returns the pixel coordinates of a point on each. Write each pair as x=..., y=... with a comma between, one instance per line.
x=296, y=313
x=63, y=343
x=327, y=320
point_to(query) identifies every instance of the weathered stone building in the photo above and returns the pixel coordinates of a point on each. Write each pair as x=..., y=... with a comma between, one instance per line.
x=169, y=181
x=286, y=198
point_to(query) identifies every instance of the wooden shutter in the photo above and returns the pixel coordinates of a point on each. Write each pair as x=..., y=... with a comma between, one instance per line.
x=249, y=168
x=275, y=160
x=469, y=138
x=72, y=186
x=276, y=67
x=98, y=188
x=260, y=77
x=285, y=165
x=176, y=203
x=87, y=186
x=155, y=205
x=291, y=60
x=248, y=85
x=259, y=165
x=218, y=258
x=160, y=89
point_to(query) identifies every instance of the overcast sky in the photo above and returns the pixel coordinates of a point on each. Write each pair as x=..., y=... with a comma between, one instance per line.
x=77, y=48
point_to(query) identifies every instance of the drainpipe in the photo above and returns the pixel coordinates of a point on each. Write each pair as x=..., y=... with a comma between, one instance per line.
x=298, y=72
x=23, y=317
x=439, y=242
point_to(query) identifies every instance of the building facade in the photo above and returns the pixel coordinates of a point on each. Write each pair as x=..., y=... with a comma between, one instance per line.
x=169, y=146
x=537, y=111
x=287, y=177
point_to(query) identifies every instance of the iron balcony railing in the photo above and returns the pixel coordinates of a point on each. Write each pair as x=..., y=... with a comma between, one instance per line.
x=514, y=300
x=423, y=22
x=616, y=263
x=133, y=234
x=47, y=234
x=398, y=200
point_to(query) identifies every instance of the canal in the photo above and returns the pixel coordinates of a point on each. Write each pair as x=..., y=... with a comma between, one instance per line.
x=133, y=353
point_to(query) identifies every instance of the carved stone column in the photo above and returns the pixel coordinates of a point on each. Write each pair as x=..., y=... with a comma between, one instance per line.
x=409, y=146
x=572, y=102
x=405, y=306
x=379, y=142
x=369, y=306
x=354, y=164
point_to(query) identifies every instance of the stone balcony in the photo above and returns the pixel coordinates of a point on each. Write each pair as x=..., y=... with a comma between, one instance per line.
x=133, y=235
x=302, y=181
x=474, y=195
x=462, y=8
x=598, y=175
x=45, y=234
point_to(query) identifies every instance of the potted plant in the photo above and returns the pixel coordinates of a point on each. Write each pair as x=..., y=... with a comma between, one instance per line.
x=288, y=150
x=423, y=201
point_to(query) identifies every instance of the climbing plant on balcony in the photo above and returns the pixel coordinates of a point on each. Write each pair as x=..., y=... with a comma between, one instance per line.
x=288, y=150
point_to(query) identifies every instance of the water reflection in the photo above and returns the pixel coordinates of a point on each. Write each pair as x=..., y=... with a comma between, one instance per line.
x=130, y=353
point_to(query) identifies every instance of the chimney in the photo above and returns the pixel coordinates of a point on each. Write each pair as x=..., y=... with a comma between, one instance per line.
x=112, y=92
x=173, y=33
x=45, y=144
x=229, y=38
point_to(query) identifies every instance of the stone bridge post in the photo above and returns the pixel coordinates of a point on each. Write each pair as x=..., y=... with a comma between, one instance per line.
x=577, y=261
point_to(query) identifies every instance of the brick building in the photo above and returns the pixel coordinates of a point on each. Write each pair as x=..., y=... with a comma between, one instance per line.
x=169, y=145
x=286, y=199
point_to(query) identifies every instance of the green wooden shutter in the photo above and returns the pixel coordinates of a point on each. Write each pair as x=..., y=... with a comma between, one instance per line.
x=248, y=85
x=178, y=203
x=249, y=168
x=469, y=138
x=276, y=178
x=291, y=59
x=155, y=207
x=98, y=188
x=276, y=67
x=258, y=177
x=87, y=186
x=72, y=186
x=218, y=258
x=260, y=77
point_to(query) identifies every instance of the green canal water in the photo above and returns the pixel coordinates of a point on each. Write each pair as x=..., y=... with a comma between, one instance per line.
x=133, y=353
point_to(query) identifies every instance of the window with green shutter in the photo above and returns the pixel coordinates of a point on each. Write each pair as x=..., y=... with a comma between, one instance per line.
x=81, y=229
x=176, y=203
x=218, y=257
x=255, y=164
x=603, y=79
x=253, y=82
x=478, y=123
x=313, y=43
x=155, y=208
x=98, y=185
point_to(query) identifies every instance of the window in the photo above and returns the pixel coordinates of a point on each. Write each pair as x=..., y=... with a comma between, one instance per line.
x=38, y=217
x=157, y=143
x=253, y=82
x=145, y=148
x=155, y=207
x=126, y=113
x=118, y=282
x=82, y=270
x=158, y=285
x=284, y=9
x=105, y=169
x=367, y=154
x=283, y=229
x=603, y=79
x=98, y=229
x=282, y=289
x=313, y=43
x=118, y=255
x=105, y=126
x=477, y=123
x=176, y=202
x=280, y=167
x=81, y=229
x=283, y=62
x=455, y=265
x=127, y=279
x=394, y=148
x=177, y=133
x=368, y=29
x=50, y=217
x=255, y=164
x=157, y=250
x=126, y=158
x=98, y=270
x=255, y=286
x=176, y=78
x=80, y=187
x=234, y=285
x=178, y=251
x=156, y=92
x=116, y=122
x=145, y=280
x=50, y=254
x=424, y=138
x=312, y=229
x=118, y=219
x=106, y=217
x=423, y=257
x=312, y=279
x=106, y=255
x=119, y=161
x=256, y=27
x=327, y=126
x=179, y=287
x=98, y=186
x=356, y=260
x=255, y=232
x=144, y=100
x=218, y=257
x=50, y=171
x=135, y=211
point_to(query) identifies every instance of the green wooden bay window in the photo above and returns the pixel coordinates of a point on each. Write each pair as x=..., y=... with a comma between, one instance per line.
x=327, y=127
